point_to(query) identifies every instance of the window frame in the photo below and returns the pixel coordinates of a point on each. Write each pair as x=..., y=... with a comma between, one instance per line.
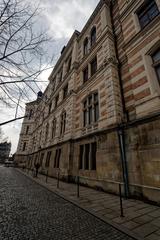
x=85, y=46
x=65, y=91
x=48, y=157
x=27, y=130
x=156, y=64
x=54, y=124
x=47, y=131
x=63, y=123
x=89, y=106
x=85, y=74
x=143, y=11
x=93, y=36
x=93, y=66
x=56, y=100
x=24, y=146
x=57, y=158
x=88, y=157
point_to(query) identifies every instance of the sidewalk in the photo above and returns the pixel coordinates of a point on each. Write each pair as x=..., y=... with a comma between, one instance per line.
x=141, y=220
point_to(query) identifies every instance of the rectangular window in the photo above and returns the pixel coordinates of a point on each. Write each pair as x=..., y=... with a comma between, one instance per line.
x=81, y=157
x=147, y=12
x=85, y=74
x=69, y=64
x=60, y=76
x=96, y=107
x=30, y=114
x=91, y=109
x=93, y=155
x=86, y=156
x=90, y=114
x=41, y=159
x=57, y=158
x=24, y=146
x=56, y=100
x=156, y=63
x=65, y=91
x=93, y=66
x=85, y=117
x=48, y=159
x=49, y=108
x=27, y=129
x=88, y=152
x=54, y=128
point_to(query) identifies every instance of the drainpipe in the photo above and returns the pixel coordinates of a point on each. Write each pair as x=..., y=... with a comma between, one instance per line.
x=121, y=138
x=121, y=135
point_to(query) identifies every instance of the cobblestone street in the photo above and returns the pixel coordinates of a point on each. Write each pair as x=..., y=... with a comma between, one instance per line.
x=29, y=211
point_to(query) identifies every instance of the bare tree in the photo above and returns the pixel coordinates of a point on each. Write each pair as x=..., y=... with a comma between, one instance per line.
x=23, y=52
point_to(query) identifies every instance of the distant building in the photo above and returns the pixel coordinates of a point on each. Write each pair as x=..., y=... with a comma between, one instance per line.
x=99, y=117
x=5, y=149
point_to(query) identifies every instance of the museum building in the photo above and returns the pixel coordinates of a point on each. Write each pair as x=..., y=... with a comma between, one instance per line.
x=99, y=117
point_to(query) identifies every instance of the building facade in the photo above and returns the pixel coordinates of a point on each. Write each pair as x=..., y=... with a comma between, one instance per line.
x=99, y=117
x=5, y=149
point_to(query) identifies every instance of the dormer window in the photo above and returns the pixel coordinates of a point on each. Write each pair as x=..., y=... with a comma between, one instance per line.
x=93, y=36
x=85, y=46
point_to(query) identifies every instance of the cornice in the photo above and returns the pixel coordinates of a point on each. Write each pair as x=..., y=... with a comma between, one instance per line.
x=95, y=12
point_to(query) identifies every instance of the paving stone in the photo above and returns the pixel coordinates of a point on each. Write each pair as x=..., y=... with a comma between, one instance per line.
x=143, y=219
x=156, y=222
x=145, y=229
x=158, y=232
x=155, y=213
x=152, y=237
x=130, y=225
x=31, y=212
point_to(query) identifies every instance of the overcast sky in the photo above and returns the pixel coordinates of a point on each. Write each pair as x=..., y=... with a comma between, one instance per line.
x=61, y=19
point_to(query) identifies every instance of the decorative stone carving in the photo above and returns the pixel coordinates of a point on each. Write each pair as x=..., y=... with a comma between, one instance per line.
x=109, y=60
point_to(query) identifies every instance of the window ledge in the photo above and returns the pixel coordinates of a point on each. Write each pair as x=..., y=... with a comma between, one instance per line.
x=142, y=32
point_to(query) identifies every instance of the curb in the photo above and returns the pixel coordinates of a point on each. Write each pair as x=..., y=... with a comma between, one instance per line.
x=98, y=216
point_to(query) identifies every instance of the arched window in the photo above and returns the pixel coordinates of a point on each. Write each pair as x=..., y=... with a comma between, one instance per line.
x=156, y=62
x=85, y=46
x=63, y=123
x=93, y=36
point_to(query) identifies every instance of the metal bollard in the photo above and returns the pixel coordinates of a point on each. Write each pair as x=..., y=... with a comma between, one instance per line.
x=78, y=186
x=121, y=203
x=47, y=177
x=58, y=180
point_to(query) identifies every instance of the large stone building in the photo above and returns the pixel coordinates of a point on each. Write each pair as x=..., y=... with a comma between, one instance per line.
x=99, y=117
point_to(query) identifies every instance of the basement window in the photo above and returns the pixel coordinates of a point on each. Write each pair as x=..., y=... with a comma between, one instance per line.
x=87, y=156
